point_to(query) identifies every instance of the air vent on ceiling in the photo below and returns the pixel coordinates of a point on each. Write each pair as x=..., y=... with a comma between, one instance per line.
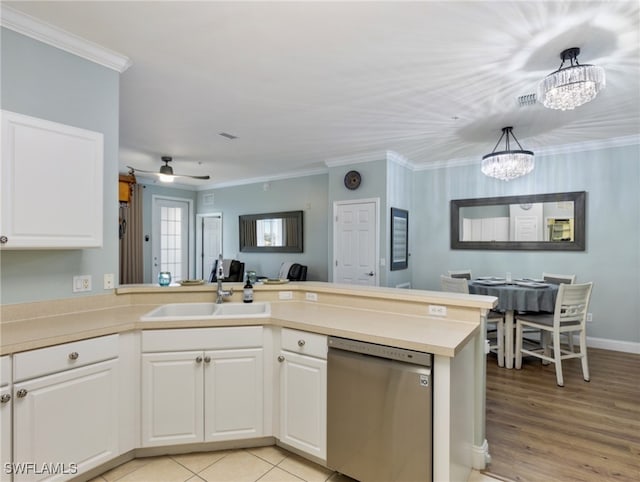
x=528, y=99
x=228, y=136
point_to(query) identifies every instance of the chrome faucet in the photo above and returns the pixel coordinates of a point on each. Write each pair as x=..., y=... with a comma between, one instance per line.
x=221, y=294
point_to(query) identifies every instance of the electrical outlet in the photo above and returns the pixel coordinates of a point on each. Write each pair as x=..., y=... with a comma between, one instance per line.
x=589, y=317
x=311, y=296
x=285, y=295
x=82, y=283
x=108, y=281
x=438, y=310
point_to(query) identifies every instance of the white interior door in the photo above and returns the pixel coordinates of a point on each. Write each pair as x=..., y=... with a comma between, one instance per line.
x=208, y=243
x=356, y=242
x=170, y=241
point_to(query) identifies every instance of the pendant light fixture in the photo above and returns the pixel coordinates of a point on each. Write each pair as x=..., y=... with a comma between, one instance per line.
x=571, y=86
x=507, y=164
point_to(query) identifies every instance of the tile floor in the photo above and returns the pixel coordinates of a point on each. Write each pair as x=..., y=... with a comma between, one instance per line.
x=264, y=464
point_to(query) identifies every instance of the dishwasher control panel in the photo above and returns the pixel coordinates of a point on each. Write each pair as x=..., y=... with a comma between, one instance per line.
x=381, y=351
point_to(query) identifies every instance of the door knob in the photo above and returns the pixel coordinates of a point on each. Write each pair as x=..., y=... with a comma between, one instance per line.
x=371, y=273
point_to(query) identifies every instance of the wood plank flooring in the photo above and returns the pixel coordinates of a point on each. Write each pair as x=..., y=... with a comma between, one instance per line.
x=539, y=432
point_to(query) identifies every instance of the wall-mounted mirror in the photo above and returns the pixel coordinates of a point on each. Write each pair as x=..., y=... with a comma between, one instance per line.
x=553, y=221
x=271, y=232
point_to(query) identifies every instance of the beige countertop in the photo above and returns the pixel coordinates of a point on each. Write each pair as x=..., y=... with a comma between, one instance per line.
x=437, y=335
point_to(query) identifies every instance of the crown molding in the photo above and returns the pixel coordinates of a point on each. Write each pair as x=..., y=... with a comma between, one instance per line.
x=44, y=32
x=263, y=179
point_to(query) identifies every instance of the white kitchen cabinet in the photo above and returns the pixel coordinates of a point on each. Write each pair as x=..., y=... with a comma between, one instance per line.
x=213, y=393
x=51, y=178
x=303, y=392
x=65, y=408
x=5, y=416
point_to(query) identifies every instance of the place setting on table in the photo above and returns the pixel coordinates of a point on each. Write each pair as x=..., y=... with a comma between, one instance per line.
x=515, y=294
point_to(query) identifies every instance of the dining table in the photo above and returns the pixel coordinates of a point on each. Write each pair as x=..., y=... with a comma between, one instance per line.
x=515, y=296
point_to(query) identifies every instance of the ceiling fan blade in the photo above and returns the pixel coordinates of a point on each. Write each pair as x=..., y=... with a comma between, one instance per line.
x=135, y=169
x=192, y=177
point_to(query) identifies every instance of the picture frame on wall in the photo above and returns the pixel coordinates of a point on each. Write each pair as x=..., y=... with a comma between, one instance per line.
x=399, y=239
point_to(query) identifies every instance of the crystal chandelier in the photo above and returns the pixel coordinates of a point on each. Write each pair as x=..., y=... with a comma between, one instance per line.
x=507, y=164
x=571, y=86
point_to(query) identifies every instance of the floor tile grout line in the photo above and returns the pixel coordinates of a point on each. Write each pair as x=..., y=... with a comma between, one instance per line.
x=205, y=468
x=276, y=467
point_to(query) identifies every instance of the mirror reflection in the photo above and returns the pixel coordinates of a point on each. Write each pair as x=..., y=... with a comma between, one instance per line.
x=540, y=221
x=271, y=232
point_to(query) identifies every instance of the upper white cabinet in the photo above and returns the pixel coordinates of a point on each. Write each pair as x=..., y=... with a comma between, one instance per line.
x=51, y=178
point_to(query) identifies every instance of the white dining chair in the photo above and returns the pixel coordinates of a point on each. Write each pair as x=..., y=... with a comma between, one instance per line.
x=569, y=317
x=559, y=278
x=462, y=273
x=495, y=319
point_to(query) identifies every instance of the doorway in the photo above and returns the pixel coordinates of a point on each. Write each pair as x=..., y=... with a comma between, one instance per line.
x=171, y=228
x=355, y=241
x=208, y=243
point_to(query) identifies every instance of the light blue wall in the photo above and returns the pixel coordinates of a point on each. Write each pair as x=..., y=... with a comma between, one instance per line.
x=399, y=195
x=307, y=194
x=48, y=83
x=611, y=178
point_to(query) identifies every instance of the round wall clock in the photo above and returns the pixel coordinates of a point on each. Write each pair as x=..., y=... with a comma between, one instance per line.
x=352, y=180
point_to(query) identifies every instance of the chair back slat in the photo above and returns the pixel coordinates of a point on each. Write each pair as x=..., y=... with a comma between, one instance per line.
x=454, y=285
x=463, y=273
x=558, y=279
x=572, y=303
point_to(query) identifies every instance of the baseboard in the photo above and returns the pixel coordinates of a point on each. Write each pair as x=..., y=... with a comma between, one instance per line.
x=614, y=345
x=480, y=456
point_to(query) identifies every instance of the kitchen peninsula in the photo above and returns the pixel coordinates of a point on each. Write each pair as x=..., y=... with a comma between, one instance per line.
x=393, y=317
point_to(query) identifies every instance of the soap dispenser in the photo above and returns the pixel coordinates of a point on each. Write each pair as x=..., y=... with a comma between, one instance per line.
x=247, y=295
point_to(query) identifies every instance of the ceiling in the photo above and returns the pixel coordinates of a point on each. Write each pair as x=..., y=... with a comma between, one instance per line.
x=305, y=83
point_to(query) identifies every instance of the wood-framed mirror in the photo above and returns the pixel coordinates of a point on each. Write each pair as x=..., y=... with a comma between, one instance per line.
x=550, y=222
x=271, y=232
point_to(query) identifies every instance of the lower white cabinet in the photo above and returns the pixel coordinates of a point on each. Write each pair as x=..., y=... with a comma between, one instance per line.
x=66, y=423
x=202, y=395
x=303, y=392
x=5, y=417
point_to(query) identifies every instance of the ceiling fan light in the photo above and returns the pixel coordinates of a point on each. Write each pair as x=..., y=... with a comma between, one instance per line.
x=165, y=177
x=572, y=86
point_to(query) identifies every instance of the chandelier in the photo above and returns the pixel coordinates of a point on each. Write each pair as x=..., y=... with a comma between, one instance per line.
x=507, y=164
x=571, y=86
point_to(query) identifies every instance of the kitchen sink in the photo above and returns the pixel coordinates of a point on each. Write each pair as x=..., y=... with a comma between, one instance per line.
x=207, y=311
x=241, y=310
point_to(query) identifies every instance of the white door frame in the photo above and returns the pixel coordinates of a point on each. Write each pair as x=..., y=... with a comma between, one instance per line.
x=199, y=253
x=336, y=204
x=154, y=228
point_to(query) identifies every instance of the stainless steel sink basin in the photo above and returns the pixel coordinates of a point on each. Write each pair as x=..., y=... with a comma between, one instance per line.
x=207, y=311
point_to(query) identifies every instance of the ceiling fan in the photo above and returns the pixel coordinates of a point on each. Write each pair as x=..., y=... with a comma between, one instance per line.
x=166, y=172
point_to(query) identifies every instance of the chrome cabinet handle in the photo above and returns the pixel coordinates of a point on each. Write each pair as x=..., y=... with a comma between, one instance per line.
x=198, y=359
x=281, y=358
x=5, y=398
x=301, y=343
x=21, y=393
x=207, y=359
x=4, y=240
x=73, y=355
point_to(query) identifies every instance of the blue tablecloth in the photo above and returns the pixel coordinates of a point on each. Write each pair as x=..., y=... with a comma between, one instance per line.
x=518, y=298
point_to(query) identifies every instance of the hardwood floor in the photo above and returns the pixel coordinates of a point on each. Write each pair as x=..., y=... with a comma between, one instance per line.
x=538, y=431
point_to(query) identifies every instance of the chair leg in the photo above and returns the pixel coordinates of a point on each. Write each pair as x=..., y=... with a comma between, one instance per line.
x=518, y=349
x=544, y=339
x=583, y=352
x=500, y=335
x=557, y=356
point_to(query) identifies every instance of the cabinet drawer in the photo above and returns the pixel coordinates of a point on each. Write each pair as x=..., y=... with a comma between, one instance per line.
x=44, y=361
x=5, y=370
x=202, y=338
x=303, y=342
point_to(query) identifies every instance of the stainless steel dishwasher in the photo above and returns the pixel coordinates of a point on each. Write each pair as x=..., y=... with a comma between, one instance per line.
x=379, y=412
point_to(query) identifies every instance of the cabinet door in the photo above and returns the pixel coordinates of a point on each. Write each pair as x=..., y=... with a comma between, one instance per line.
x=5, y=431
x=64, y=419
x=234, y=394
x=303, y=403
x=172, y=394
x=51, y=184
